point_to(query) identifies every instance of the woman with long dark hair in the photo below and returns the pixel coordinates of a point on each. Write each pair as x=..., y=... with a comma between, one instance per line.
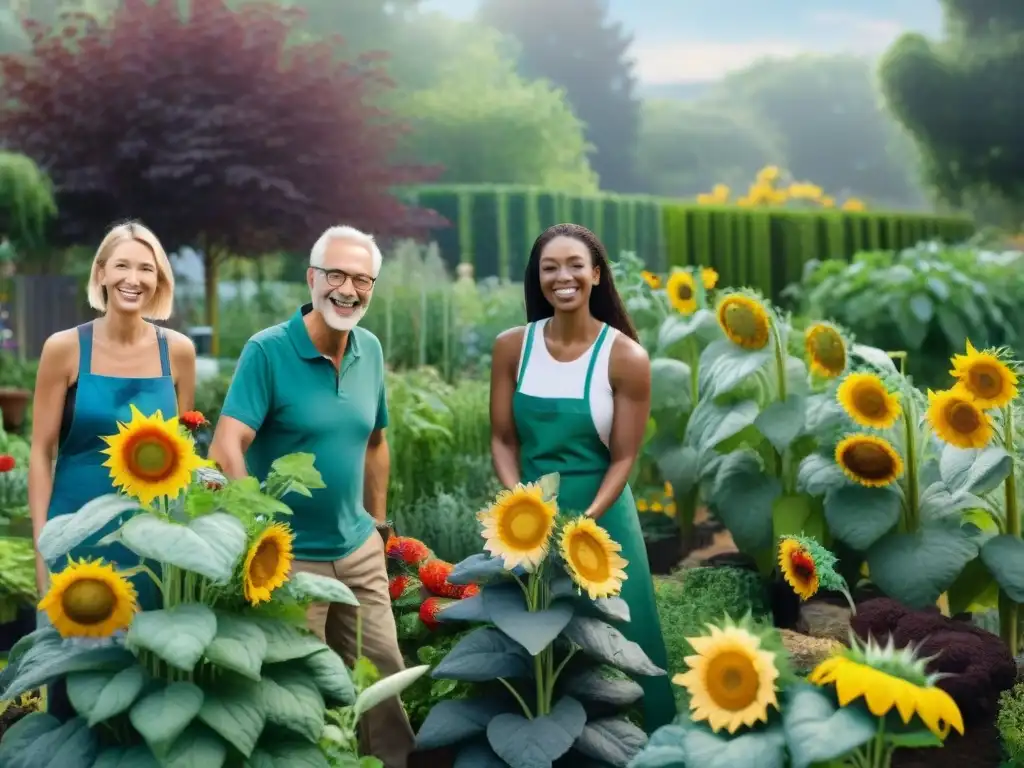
x=571, y=393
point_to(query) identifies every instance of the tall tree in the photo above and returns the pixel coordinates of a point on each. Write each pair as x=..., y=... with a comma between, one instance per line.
x=575, y=45
x=483, y=123
x=235, y=144
x=961, y=98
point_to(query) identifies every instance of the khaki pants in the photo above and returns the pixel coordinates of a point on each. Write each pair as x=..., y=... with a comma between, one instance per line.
x=384, y=731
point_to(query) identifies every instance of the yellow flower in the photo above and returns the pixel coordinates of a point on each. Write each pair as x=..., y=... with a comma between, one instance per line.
x=827, y=202
x=888, y=678
x=151, y=457
x=731, y=679
x=592, y=558
x=641, y=505
x=866, y=400
x=798, y=568
x=670, y=509
x=869, y=460
x=651, y=279
x=853, y=204
x=668, y=490
x=518, y=526
x=957, y=419
x=709, y=277
x=990, y=381
x=745, y=321
x=706, y=199
x=89, y=599
x=681, y=291
x=768, y=174
x=267, y=563
x=826, y=350
x=721, y=192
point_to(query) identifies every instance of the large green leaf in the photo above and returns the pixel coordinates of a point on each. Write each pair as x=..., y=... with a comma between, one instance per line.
x=294, y=754
x=729, y=366
x=974, y=471
x=596, y=685
x=817, y=475
x=331, y=676
x=477, y=754
x=677, y=329
x=51, y=660
x=603, y=642
x=1004, y=557
x=507, y=610
x=319, y=589
x=817, y=731
x=665, y=749
x=916, y=568
x=196, y=746
x=291, y=700
x=742, y=499
x=163, y=715
x=763, y=748
x=484, y=655
x=286, y=642
x=240, y=645
x=860, y=516
x=524, y=743
x=299, y=473
x=477, y=569
x=782, y=421
x=388, y=688
x=127, y=757
x=62, y=534
x=670, y=385
x=211, y=545
x=453, y=721
x=99, y=696
x=612, y=740
x=234, y=711
x=467, y=609
x=42, y=741
x=791, y=515
x=680, y=466
x=178, y=635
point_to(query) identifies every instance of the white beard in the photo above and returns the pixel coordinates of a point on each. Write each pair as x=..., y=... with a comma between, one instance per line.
x=322, y=304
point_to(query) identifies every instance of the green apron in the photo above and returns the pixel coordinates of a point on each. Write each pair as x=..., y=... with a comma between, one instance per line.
x=558, y=435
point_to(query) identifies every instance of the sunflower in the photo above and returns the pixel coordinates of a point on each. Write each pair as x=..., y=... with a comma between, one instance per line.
x=869, y=460
x=866, y=400
x=518, y=526
x=652, y=280
x=731, y=678
x=798, y=568
x=989, y=380
x=592, y=558
x=267, y=563
x=89, y=599
x=826, y=350
x=889, y=678
x=958, y=419
x=151, y=457
x=682, y=292
x=709, y=278
x=745, y=321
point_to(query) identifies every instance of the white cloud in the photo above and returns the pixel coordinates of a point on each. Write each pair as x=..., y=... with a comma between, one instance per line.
x=861, y=32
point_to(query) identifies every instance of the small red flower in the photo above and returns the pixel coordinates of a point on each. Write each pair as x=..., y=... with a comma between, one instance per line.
x=469, y=590
x=193, y=420
x=434, y=575
x=397, y=586
x=409, y=551
x=7, y=463
x=429, y=610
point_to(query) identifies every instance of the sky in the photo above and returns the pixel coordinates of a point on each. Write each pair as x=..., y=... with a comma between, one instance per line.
x=681, y=41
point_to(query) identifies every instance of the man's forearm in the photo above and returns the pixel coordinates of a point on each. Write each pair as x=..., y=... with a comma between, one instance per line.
x=375, y=483
x=231, y=462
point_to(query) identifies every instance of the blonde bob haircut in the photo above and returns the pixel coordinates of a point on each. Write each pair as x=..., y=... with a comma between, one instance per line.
x=162, y=303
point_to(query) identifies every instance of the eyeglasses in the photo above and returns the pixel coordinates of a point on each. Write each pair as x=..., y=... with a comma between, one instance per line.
x=336, y=278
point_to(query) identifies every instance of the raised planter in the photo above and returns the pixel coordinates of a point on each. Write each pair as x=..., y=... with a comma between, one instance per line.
x=13, y=404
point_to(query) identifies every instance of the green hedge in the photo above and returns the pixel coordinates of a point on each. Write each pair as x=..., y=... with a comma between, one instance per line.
x=493, y=228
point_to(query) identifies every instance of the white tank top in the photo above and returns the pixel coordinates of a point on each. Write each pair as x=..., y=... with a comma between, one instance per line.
x=549, y=378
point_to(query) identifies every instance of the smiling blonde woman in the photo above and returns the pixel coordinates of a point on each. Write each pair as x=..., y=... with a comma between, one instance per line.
x=89, y=378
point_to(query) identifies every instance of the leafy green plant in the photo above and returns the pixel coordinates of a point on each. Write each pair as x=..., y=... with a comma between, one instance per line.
x=17, y=577
x=1010, y=722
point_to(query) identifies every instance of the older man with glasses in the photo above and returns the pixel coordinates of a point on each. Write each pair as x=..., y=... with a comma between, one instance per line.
x=315, y=384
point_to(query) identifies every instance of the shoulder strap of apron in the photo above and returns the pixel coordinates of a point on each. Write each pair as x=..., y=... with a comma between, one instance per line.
x=593, y=360
x=527, y=348
x=165, y=357
x=85, y=349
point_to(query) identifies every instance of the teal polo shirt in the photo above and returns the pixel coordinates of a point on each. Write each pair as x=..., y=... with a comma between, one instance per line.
x=298, y=402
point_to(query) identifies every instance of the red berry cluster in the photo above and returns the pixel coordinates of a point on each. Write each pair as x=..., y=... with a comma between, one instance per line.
x=421, y=571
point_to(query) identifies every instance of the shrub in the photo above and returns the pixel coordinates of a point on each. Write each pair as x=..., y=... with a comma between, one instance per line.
x=1010, y=723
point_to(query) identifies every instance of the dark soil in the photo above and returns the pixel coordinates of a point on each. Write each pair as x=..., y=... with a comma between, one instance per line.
x=979, y=747
x=665, y=555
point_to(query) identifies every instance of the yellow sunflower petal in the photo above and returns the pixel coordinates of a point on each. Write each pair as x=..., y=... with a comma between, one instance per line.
x=869, y=460
x=798, y=569
x=709, y=278
x=89, y=599
x=745, y=321
x=682, y=292
x=958, y=419
x=939, y=712
x=518, y=526
x=592, y=558
x=652, y=280
x=988, y=380
x=267, y=563
x=867, y=401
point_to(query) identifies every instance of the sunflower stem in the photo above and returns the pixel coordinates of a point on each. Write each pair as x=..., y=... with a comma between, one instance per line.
x=1009, y=618
x=910, y=429
x=694, y=371
x=783, y=463
x=515, y=694
x=140, y=568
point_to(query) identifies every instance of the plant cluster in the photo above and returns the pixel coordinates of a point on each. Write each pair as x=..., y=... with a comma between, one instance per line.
x=770, y=188
x=548, y=664
x=224, y=672
x=747, y=709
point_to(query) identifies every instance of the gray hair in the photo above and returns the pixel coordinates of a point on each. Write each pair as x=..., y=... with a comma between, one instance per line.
x=351, y=235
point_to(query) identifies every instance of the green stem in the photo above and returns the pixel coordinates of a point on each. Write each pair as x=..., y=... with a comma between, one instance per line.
x=141, y=568
x=515, y=693
x=538, y=673
x=782, y=465
x=910, y=429
x=686, y=515
x=1009, y=618
x=555, y=675
x=694, y=371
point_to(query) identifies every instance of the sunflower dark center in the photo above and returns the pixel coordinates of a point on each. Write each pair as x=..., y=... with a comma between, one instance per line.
x=869, y=461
